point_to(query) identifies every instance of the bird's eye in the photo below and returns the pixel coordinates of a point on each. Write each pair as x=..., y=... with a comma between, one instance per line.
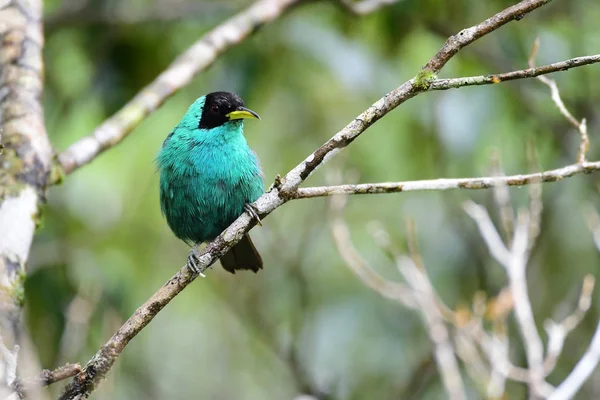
x=214, y=108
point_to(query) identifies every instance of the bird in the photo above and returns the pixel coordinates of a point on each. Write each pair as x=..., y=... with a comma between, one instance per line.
x=209, y=176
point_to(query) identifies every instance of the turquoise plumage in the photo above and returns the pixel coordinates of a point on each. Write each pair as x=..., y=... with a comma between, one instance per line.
x=208, y=175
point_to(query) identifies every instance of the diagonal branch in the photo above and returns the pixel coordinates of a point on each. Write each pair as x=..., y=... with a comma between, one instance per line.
x=555, y=95
x=280, y=193
x=467, y=36
x=194, y=60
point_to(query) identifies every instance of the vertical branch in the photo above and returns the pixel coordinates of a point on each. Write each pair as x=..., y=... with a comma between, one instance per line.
x=425, y=297
x=26, y=156
x=534, y=349
x=515, y=263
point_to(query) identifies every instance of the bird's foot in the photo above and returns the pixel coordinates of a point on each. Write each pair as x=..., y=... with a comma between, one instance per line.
x=193, y=262
x=250, y=209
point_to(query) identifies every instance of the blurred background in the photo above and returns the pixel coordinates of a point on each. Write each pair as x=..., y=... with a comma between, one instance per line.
x=305, y=324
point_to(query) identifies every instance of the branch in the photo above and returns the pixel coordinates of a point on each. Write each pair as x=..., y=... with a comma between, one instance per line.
x=281, y=192
x=555, y=95
x=24, y=161
x=194, y=60
x=426, y=298
x=341, y=235
x=557, y=332
x=48, y=377
x=582, y=371
x=418, y=294
x=485, y=182
x=532, y=72
x=587, y=364
x=467, y=36
x=514, y=262
x=534, y=349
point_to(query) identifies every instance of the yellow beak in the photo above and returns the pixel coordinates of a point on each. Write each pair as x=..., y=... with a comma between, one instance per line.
x=242, y=112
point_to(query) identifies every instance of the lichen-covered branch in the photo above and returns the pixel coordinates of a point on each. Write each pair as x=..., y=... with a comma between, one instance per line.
x=194, y=60
x=282, y=190
x=26, y=157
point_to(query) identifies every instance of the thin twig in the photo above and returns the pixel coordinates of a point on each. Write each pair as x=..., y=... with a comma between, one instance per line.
x=426, y=298
x=48, y=377
x=488, y=232
x=582, y=371
x=557, y=332
x=341, y=235
x=555, y=94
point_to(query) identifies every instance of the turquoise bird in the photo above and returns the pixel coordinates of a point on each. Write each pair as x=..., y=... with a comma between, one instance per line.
x=209, y=176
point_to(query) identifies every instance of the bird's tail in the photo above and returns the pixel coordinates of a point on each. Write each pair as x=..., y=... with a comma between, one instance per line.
x=242, y=256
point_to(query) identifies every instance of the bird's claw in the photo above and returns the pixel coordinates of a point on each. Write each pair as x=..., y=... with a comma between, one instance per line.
x=193, y=262
x=250, y=209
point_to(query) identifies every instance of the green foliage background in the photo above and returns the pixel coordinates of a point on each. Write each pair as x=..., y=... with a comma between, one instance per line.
x=305, y=324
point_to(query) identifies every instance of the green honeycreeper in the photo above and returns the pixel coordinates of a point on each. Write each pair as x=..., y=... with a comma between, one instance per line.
x=209, y=176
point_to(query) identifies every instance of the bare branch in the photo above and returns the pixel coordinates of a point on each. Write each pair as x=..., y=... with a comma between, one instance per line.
x=534, y=349
x=420, y=296
x=582, y=371
x=48, y=377
x=555, y=94
x=515, y=263
x=426, y=298
x=467, y=36
x=341, y=234
x=588, y=363
x=454, y=83
x=488, y=232
x=557, y=332
x=484, y=182
x=194, y=60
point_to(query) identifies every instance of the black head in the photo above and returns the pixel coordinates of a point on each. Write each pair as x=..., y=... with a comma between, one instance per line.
x=221, y=107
